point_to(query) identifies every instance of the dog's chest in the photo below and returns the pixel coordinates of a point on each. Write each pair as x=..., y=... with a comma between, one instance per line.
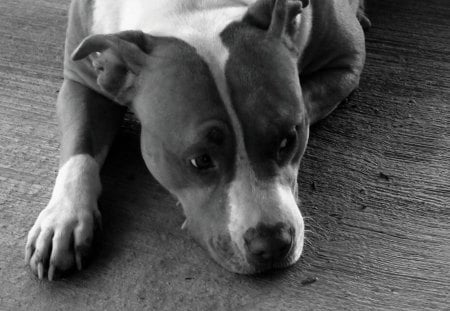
x=178, y=18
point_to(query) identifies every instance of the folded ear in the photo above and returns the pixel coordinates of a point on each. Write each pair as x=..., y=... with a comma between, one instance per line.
x=117, y=60
x=278, y=17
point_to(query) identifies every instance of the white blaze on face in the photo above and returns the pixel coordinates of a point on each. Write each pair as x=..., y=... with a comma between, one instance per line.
x=289, y=207
x=252, y=202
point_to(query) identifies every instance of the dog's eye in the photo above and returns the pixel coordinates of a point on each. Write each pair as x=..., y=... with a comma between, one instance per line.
x=283, y=144
x=287, y=144
x=202, y=162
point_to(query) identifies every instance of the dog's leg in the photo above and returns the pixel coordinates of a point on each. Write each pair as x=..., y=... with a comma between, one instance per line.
x=325, y=89
x=359, y=8
x=63, y=232
x=362, y=17
x=335, y=72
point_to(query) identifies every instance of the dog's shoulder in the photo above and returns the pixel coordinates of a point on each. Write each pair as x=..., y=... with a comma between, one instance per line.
x=80, y=21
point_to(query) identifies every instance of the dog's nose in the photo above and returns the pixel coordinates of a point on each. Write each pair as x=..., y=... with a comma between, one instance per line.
x=268, y=243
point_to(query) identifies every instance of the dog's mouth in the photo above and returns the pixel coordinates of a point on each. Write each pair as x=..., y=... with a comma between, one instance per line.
x=227, y=254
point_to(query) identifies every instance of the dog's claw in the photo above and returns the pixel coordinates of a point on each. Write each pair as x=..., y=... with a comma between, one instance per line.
x=40, y=269
x=27, y=255
x=51, y=272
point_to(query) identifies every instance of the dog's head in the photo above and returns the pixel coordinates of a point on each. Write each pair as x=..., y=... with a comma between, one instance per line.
x=224, y=128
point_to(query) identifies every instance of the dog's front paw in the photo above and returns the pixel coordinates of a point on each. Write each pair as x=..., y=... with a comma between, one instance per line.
x=62, y=235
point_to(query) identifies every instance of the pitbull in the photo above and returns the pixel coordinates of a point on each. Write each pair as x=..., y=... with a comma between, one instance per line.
x=225, y=91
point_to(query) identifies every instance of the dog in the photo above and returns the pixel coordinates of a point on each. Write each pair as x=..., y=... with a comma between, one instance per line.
x=225, y=91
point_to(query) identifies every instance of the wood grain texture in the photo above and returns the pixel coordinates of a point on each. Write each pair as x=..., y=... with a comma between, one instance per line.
x=375, y=186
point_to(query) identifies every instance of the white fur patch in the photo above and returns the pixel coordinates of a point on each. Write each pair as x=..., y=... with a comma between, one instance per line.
x=253, y=202
x=174, y=18
x=289, y=207
x=78, y=179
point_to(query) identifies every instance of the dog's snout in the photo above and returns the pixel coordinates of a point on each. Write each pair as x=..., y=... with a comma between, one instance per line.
x=268, y=243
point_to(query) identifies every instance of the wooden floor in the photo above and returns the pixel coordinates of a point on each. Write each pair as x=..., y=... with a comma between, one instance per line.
x=375, y=186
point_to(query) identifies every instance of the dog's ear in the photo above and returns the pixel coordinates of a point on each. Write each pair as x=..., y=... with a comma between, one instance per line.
x=280, y=18
x=117, y=60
